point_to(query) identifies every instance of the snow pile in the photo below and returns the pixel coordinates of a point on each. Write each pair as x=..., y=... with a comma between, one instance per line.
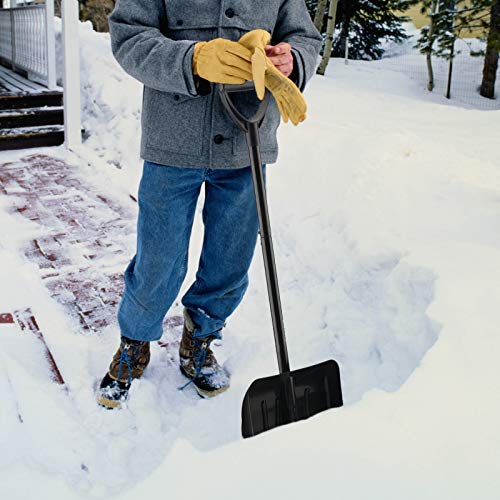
x=385, y=221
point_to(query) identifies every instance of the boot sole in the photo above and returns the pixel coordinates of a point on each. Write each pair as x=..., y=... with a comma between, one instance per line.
x=201, y=392
x=210, y=394
x=109, y=404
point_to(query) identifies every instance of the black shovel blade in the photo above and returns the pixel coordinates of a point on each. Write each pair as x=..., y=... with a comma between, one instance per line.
x=291, y=396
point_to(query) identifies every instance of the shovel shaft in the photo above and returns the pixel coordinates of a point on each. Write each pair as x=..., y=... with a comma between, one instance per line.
x=252, y=137
x=250, y=126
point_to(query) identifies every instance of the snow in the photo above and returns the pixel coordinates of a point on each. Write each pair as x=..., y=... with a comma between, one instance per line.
x=385, y=222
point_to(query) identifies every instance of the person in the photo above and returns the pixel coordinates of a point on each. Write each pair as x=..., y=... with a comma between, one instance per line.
x=180, y=50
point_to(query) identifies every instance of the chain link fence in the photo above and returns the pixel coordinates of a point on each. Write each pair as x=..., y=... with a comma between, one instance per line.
x=466, y=71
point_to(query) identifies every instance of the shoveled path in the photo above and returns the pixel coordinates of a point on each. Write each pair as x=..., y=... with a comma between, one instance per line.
x=85, y=240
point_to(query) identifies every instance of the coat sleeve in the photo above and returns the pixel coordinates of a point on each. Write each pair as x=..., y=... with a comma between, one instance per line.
x=139, y=45
x=294, y=26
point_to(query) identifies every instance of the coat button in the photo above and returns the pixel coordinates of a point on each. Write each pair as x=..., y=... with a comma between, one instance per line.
x=229, y=12
x=218, y=139
x=180, y=22
x=176, y=97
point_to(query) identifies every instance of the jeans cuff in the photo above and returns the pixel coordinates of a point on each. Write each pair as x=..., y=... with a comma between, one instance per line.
x=205, y=325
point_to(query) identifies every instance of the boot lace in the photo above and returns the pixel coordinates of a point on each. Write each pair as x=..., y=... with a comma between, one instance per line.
x=200, y=353
x=129, y=354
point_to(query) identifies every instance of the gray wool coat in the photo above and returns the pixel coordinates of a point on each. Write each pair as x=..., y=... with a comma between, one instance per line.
x=183, y=122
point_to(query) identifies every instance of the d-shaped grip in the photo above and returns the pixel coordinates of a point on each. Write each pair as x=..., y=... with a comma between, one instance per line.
x=241, y=121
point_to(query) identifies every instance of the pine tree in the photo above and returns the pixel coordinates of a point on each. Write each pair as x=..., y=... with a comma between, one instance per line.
x=427, y=38
x=312, y=6
x=367, y=23
x=438, y=38
x=451, y=19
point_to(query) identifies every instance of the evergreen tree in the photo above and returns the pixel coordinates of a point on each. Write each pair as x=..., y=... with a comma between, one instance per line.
x=438, y=37
x=367, y=23
x=452, y=19
x=312, y=6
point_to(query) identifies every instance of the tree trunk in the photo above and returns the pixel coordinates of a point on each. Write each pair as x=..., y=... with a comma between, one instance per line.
x=491, y=59
x=320, y=14
x=428, y=54
x=57, y=8
x=330, y=28
x=349, y=10
x=450, y=70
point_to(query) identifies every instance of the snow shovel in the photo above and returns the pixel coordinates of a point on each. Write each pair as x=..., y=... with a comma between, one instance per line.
x=291, y=395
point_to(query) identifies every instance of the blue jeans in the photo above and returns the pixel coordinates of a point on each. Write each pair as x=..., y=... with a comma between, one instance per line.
x=153, y=278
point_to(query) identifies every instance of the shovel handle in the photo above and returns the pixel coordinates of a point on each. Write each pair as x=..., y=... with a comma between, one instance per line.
x=240, y=120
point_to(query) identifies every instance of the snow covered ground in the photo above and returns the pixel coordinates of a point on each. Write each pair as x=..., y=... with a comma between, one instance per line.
x=467, y=71
x=386, y=212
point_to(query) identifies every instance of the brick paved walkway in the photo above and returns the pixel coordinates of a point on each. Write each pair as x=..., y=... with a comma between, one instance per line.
x=87, y=237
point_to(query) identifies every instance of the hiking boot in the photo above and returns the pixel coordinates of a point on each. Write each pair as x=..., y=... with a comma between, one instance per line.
x=198, y=363
x=129, y=362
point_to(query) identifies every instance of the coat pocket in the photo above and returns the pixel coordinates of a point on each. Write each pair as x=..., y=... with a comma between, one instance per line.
x=173, y=122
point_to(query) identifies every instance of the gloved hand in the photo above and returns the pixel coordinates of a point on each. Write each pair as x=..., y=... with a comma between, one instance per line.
x=222, y=61
x=289, y=99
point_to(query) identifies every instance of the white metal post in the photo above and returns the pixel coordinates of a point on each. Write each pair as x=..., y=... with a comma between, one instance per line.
x=13, y=38
x=71, y=73
x=51, y=44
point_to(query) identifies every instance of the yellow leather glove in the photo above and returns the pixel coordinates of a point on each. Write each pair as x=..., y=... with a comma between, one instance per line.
x=255, y=41
x=222, y=61
x=289, y=99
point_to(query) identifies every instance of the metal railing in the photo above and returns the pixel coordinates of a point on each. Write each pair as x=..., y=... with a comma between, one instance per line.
x=27, y=41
